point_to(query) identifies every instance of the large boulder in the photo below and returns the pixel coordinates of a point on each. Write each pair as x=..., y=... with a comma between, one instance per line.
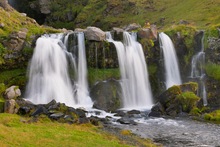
x=95, y=34
x=12, y=92
x=149, y=33
x=176, y=99
x=107, y=95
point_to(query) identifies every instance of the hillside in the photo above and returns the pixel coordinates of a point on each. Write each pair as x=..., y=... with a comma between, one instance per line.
x=117, y=13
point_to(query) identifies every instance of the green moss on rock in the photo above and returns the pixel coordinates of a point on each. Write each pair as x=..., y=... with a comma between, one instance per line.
x=188, y=101
x=213, y=116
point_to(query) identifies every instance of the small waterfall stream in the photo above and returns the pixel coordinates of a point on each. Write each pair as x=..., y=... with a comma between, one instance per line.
x=198, y=73
x=134, y=76
x=172, y=72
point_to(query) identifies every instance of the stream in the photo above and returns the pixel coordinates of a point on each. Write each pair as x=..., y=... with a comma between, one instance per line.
x=179, y=132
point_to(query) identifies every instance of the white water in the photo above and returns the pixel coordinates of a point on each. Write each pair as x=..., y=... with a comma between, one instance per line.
x=172, y=72
x=82, y=84
x=134, y=76
x=48, y=75
x=197, y=72
x=49, y=78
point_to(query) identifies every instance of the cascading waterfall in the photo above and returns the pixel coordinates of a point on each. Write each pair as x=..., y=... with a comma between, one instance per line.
x=197, y=71
x=172, y=72
x=134, y=76
x=82, y=84
x=48, y=76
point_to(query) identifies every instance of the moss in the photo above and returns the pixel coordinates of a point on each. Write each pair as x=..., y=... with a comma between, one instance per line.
x=102, y=74
x=188, y=100
x=152, y=69
x=13, y=77
x=213, y=70
x=213, y=116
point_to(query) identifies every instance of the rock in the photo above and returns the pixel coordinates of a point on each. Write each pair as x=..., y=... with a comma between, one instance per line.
x=12, y=92
x=132, y=27
x=24, y=110
x=2, y=25
x=79, y=30
x=126, y=120
x=94, y=120
x=134, y=112
x=56, y=116
x=107, y=95
x=22, y=35
x=176, y=99
x=4, y=4
x=184, y=22
x=81, y=113
x=118, y=30
x=10, y=106
x=94, y=33
x=120, y=113
x=45, y=6
x=83, y=120
x=149, y=33
x=51, y=104
x=69, y=119
x=40, y=110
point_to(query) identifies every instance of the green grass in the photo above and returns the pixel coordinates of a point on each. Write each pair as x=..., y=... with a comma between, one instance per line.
x=14, y=132
x=213, y=70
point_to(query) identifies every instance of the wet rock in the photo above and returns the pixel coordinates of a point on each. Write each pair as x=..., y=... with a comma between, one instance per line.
x=94, y=33
x=107, y=95
x=69, y=119
x=127, y=121
x=56, y=116
x=120, y=113
x=50, y=104
x=79, y=30
x=40, y=110
x=12, y=92
x=81, y=113
x=134, y=112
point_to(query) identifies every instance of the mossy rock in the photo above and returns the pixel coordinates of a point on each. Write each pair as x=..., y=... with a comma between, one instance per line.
x=188, y=101
x=179, y=98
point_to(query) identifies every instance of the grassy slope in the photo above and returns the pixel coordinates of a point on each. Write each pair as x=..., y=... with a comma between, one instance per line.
x=115, y=13
x=46, y=133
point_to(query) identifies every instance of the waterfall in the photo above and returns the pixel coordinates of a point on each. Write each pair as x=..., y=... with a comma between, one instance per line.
x=49, y=72
x=197, y=71
x=172, y=73
x=134, y=76
x=82, y=84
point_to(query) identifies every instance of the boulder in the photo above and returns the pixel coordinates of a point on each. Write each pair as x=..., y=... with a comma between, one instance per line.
x=149, y=33
x=4, y=4
x=107, y=95
x=132, y=27
x=10, y=106
x=176, y=99
x=12, y=92
x=94, y=33
x=57, y=115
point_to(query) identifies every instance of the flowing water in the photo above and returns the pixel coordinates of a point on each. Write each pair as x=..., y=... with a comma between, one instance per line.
x=198, y=73
x=181, y=132
x=49, y=72
x=134, y=76
x=172, y=72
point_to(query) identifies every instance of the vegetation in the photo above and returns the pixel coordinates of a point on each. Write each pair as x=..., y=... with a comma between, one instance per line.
x=213, y=70
x=102, y=74
x=213, y=116
x=115, y=13
x=47, y=133
x=188, y=100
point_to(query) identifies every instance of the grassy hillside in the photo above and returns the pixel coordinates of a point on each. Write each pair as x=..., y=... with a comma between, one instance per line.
x=16, y=131
x=115, y=13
